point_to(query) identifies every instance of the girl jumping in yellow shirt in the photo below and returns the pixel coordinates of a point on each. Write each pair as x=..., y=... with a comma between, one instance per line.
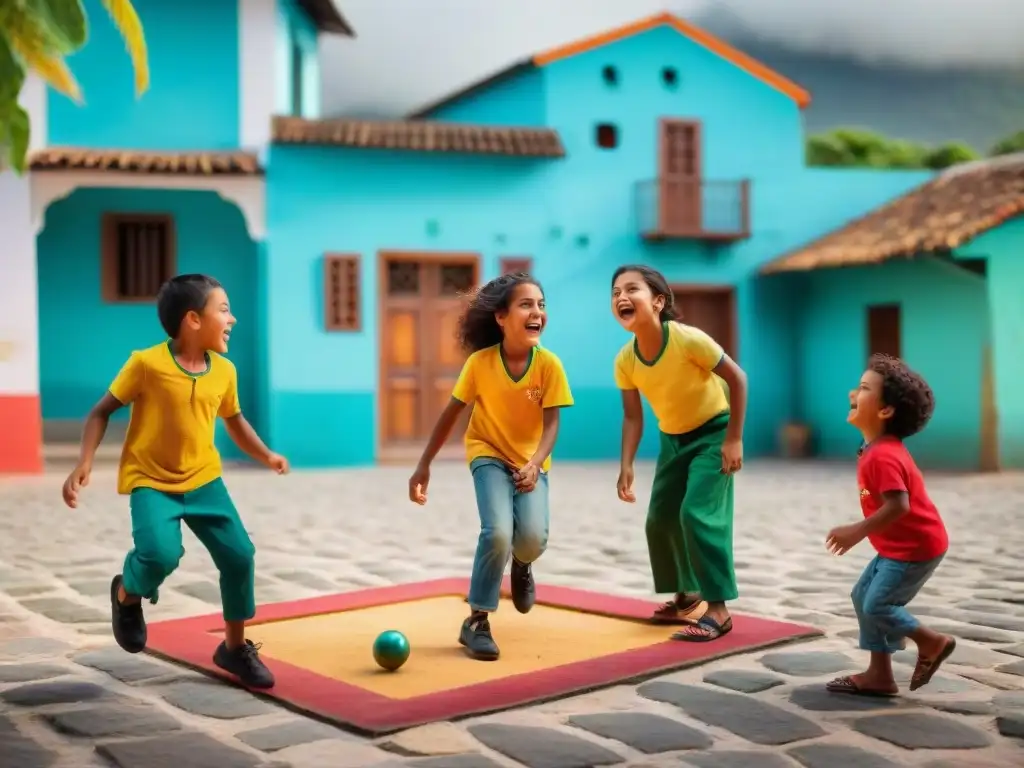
x=680, y=370
x=516, y=388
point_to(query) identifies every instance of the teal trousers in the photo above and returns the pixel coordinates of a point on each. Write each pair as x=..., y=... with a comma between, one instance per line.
x=211, y=515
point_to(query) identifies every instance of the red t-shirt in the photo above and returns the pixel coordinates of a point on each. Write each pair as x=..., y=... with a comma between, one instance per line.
x=919, y=534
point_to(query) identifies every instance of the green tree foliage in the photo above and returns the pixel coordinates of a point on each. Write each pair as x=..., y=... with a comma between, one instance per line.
x=860, y=148
x=1008, y=145
x=36, y=36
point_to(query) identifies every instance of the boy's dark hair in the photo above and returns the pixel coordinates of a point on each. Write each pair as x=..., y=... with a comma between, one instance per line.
x=181, y=295
x=906, y=392
x=477, y=327
x=658, y=285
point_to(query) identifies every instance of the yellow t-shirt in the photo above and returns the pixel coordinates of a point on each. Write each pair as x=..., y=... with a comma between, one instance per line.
x=170, y=441
x=508, y=413
x=679, y=384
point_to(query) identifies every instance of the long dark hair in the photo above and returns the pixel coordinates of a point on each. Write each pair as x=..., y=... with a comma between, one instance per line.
x=477, y=327
x=658, y=285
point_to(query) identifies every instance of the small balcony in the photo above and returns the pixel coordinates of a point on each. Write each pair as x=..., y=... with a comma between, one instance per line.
x=693, y=208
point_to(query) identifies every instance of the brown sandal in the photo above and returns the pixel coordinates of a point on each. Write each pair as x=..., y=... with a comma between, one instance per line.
x=673, y=613
x=925, y=669
x=846, y=684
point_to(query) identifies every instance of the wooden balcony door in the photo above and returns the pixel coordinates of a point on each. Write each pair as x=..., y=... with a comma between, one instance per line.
x=421, y=298
x=679, y=176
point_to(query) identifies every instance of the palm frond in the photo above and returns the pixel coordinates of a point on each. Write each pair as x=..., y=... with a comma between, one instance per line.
x=127, y=21
x=48, y=64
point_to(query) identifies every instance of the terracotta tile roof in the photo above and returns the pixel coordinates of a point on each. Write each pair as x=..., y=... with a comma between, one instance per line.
x=717, y=46
x=132, y=161
x=421, y=136
x=940, y=215
x=327, y=17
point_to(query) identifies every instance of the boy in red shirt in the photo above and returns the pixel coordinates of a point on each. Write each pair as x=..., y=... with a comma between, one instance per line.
x=890, y=404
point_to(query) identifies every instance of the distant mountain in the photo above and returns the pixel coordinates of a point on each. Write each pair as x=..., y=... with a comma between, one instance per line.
x=933, y=107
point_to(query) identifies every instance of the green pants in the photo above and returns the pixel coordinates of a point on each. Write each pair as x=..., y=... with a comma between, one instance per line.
x=211, y=515
x=689, y=521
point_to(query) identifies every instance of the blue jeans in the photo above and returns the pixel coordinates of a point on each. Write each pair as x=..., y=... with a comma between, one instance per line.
x=511, y=524
x=880, y=597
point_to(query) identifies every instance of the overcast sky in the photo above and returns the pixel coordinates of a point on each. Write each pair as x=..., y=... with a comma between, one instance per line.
x=408, y=52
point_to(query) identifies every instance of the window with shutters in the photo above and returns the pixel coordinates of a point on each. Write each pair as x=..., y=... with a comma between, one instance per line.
x=342, y=289
x=138, y=256
x=510, y=265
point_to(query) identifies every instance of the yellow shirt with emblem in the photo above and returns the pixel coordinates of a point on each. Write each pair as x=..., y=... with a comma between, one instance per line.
x=170, y=442
x=508, y=413
x=679, y=384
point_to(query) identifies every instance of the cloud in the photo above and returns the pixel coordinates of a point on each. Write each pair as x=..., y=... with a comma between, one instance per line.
x=409, y=52
x=930, y=34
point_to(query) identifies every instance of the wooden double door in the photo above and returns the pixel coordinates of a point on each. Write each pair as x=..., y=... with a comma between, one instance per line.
x=421, y=298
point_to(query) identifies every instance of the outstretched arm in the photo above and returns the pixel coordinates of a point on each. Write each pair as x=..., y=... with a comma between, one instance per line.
x=442, y=430
x=245, y=437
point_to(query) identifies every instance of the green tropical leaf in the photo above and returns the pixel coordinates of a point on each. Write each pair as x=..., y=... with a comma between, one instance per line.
x=19, y=132
x=60, y=23
x=67, y=18
x=12, y=73
x=15, y=132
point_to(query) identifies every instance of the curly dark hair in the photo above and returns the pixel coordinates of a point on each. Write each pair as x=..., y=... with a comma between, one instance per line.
x=478, y=329
x=906, y=392
x=658, y=285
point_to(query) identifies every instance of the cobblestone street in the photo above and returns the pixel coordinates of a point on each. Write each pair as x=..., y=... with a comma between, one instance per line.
x=70, y=698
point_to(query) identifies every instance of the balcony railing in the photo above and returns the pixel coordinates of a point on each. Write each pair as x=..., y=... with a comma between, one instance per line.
x=693, y=208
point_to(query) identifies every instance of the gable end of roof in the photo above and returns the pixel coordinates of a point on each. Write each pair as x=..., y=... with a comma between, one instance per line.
x=704, y=39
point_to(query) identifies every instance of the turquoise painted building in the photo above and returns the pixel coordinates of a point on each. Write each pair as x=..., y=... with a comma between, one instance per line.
x=345, y=244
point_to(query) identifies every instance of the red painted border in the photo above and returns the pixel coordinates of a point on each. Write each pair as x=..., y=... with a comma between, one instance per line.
x=191, y=641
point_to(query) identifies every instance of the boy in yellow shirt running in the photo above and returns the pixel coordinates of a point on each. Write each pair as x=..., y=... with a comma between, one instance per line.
x=171, y=470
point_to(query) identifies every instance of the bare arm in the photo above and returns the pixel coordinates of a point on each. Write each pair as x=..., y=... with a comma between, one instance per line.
x=548, y=436
x=734, y=376
x=632, y=425
x=96, y=427
x=245, y=437
x=895, y=505
x=442, y=430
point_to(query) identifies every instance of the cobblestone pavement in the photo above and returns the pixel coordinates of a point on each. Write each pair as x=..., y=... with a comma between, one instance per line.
x=69, y=697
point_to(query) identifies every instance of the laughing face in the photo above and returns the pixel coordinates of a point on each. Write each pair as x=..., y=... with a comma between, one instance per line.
x=216, y=322
x=524, y=320
x=633, y=301
x=867, y=411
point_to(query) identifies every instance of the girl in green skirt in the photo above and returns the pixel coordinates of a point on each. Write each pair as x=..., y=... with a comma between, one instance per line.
x=681, y=370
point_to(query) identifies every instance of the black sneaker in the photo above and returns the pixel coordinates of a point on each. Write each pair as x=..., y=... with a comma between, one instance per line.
x=524, y=593
x=127, y=621
x=244, y=663
x=476, y=636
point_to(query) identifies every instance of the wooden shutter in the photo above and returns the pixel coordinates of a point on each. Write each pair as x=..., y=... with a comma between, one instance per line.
x=342, y=293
